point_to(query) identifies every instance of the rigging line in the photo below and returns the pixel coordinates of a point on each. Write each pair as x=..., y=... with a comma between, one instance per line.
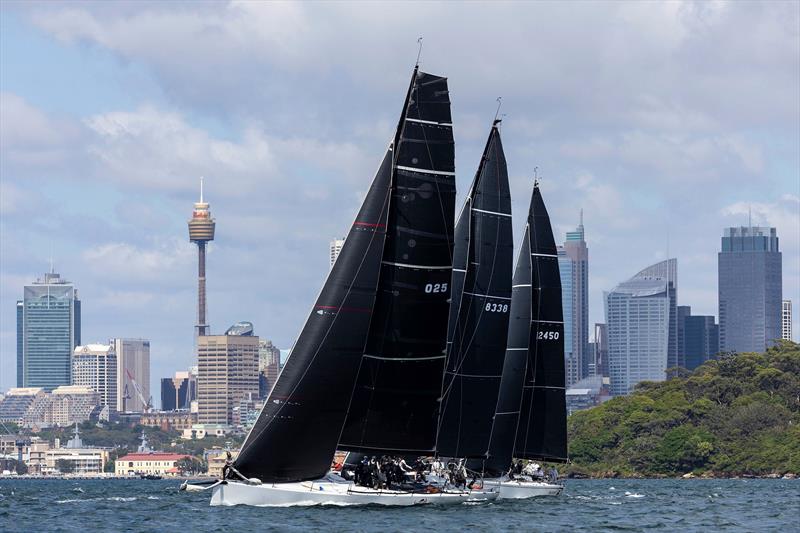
x=419, y=52
x=324, y=338
x=497, y=113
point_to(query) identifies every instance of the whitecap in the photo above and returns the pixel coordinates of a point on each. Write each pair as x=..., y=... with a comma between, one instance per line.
x=153, y=498
x=612, y=488
x=121, y=499
x=633, y=495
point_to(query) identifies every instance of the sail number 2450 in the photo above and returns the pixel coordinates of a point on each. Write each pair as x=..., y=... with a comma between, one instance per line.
x=548, y=335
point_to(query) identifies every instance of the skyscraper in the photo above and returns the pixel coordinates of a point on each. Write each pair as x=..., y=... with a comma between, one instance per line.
x=227, y=373
x=601, y=350
x=668, y=271
x=133, y=364
x=786, y=320
x=335, y=248
x=269, y=359
x=573, y=263
x=48, y=329
x=638, y=327
x=95, y=366
x=701, y=340
x=750, y=278
x=683, y=312
x=201, y=231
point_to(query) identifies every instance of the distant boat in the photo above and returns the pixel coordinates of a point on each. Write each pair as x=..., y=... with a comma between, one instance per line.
x=531, y=417
x=366, y=372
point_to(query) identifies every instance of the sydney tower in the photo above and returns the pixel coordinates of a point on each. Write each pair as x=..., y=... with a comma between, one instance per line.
x=201, y=231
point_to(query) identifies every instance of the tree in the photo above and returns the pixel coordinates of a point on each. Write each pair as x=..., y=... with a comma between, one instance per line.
x=191, y=465
x=65, y=466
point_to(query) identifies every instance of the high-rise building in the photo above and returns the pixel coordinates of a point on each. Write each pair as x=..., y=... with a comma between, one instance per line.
x=95, y=366
x=683, y=312
x=48, y=330
x=668, y=271
x=750, y=280
x=133, y=368
x=601, y=350
x=701, y=340
x=201, y=232
x=786, y=320
x=269, y=360
x=227, y=373
x=638, y=324
x=176, y=392
x=335, y=249
x=573, y=263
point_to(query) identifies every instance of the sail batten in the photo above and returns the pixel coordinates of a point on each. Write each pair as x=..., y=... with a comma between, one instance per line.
x=481, y=284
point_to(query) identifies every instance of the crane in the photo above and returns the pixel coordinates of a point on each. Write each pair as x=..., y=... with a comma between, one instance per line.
x=138, y=390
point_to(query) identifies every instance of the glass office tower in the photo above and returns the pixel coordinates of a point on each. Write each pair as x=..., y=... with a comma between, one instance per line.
x=749, y=289
x=49, y=324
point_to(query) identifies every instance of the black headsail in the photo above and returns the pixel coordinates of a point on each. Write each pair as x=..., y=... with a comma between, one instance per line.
x=394, y=403
x=542, y=431
x=481, y=297
x=296, y=432
x=530, y=418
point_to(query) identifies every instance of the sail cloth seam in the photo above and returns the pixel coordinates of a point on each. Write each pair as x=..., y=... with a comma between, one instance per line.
x=543, y=387
x=521, y=285
x=486, y=295
x=544, y=255
x=425, y=170
x=248, y=439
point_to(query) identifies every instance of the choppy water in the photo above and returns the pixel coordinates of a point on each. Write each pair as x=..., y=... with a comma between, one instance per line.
x=587, y=505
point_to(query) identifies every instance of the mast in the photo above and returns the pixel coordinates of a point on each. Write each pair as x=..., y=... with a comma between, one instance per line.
x=479, y=311
x=394, y=403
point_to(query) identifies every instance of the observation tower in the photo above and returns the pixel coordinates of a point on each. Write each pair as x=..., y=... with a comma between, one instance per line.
x=201, y=231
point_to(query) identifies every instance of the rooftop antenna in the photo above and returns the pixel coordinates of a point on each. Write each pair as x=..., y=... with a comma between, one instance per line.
x=419, y=52
x=201, y=189
x=581, y=219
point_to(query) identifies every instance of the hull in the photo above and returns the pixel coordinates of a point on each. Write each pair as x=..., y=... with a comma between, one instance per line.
x=328, y=492
x=512, y=489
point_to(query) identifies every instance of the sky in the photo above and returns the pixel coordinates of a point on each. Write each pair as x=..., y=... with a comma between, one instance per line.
x=664, y=122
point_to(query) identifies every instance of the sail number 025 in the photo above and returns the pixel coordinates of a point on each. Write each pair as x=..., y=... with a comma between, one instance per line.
x=435, y=288
x=548, y=335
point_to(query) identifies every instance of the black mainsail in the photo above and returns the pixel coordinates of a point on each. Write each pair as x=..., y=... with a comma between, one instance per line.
x=386, y=291
x=479, y=311
x=394, y=403
x=530, y=418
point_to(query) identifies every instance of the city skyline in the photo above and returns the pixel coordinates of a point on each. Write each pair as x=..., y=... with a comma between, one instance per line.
x=91, y=170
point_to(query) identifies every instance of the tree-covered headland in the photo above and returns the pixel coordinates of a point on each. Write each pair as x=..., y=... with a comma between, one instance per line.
x=736, y=415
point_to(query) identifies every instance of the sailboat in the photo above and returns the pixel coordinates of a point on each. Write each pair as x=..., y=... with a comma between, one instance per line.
x=530, y=416
x=365, y=373
x=479, y=311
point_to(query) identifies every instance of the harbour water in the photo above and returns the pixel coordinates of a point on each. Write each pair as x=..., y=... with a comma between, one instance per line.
x=586, y=505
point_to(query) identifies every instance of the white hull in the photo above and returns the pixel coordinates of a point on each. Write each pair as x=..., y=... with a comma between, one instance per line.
x=332, y=492
x=513, y=489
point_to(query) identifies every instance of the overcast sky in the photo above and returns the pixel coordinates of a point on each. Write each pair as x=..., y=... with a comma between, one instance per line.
x=665, y=122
